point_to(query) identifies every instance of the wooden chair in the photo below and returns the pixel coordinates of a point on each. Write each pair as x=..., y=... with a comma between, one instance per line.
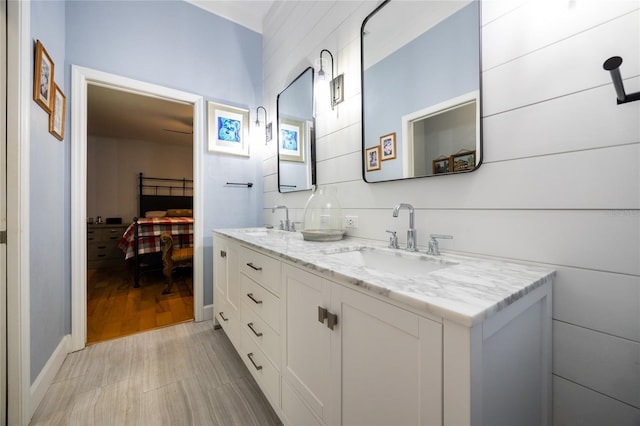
x=172, y=258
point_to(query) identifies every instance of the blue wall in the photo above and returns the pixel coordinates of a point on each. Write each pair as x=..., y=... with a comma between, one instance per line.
x=169, y=43
x=50, y=264
x=441, y=64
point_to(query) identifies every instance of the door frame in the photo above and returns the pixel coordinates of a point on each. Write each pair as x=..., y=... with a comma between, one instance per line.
x=80, y=78
x=19, y=86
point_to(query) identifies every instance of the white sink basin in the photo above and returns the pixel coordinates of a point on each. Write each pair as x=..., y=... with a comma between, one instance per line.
x=263, y=232
x=392, y=261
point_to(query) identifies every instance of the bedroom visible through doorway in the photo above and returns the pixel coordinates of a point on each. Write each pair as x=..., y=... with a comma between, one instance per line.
x=129, y=134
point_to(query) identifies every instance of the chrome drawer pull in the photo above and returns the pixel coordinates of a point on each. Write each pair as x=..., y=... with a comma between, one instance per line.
x=250, y=356
x=255, y=268
x=250, y=296
x=250, y=325
x=222, y=316
x=322, y=314
x=332, y=320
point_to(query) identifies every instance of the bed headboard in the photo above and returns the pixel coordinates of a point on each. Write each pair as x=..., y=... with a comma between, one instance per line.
x=163, y=194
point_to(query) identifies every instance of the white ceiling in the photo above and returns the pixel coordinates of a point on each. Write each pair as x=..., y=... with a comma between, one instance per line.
x=122, y=115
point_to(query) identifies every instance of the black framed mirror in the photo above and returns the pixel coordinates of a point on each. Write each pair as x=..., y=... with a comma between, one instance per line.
x=421, y=89
x=296, y=135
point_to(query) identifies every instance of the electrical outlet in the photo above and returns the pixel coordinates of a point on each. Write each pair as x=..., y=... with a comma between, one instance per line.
x=351, y=222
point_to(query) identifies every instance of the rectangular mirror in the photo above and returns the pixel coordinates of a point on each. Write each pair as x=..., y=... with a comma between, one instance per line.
x=296, y=136
x=421, y=97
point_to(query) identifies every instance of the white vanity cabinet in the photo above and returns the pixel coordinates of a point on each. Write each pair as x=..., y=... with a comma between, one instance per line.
x=326, y=351
x=377, y=364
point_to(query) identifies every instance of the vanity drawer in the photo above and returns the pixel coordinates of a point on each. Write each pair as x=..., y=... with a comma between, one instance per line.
x=261, y=268
x=261, y=369
x=261, y=301
x=227, y=317
x=264, y=336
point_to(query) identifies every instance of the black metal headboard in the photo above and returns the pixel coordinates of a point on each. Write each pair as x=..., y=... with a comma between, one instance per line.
x=162, y=194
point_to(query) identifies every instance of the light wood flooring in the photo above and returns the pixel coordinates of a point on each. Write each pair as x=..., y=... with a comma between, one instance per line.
x=187, y=374
x=115, y=308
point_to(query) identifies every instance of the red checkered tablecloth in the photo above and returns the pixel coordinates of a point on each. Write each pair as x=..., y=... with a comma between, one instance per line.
x=149, y=232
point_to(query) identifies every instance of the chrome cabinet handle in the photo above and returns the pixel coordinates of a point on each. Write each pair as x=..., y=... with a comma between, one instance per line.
x=250, y=296
x=250, y=325
x=332, y=320
x=322, y=314
x=255, y=268
x=250, y=356
x=222, y=316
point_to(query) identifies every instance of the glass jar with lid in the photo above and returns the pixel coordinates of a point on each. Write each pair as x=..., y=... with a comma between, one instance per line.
x=323, y=216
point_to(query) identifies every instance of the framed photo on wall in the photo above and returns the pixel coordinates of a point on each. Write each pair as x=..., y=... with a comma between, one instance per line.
x=388, y=147
x=43, y=78
x=228, y=128
x=291, y=141
x=58, y=113
x=372, y=158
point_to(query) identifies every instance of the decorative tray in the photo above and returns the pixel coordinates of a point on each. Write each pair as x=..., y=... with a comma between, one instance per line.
x=322, y=234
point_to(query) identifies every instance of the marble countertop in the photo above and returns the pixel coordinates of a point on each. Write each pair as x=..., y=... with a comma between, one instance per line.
x=467, y=291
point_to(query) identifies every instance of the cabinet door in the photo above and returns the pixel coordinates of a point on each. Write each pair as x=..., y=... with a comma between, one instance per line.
x=226, y=287
x=220, y=264
x=390, y=361
x=306, y=349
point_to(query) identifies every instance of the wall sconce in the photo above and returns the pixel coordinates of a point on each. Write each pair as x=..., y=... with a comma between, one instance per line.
x=613, y=66
x=336, y=85
x=267, y=130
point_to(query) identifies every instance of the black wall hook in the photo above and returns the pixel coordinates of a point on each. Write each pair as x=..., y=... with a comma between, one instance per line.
x=613, y=66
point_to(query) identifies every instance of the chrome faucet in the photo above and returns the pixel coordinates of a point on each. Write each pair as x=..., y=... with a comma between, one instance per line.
x=412, y=235
x=434, y=249
x=286, y=225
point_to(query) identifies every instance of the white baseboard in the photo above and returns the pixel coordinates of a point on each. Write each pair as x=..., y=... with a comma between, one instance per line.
x=207, y=312
x=48, y=373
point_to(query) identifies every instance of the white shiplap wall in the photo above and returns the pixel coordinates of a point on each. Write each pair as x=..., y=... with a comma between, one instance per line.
x=560, y=183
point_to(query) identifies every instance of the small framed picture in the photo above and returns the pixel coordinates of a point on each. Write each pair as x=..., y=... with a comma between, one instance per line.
x=464, y=160
x=43, y=78
x=58, y=113
x=441, y=165
x=291, y=140
x=228, y=129
x=388, y=147
x=372, y=159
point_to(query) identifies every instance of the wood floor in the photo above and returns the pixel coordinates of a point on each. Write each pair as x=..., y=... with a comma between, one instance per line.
x=188, y=374
x=115, y=308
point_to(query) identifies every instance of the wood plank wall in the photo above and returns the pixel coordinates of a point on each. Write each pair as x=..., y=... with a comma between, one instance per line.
x=560, y=183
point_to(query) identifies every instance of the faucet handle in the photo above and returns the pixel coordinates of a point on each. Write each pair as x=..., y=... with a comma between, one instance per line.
x=434, y=250
x=293, y=225
x=393, y=239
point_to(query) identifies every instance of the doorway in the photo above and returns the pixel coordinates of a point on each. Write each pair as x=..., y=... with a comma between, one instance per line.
x=82, y=78
x=127, y=134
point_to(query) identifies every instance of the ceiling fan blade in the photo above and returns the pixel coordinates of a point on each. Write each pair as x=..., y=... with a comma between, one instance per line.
x=178, y=131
